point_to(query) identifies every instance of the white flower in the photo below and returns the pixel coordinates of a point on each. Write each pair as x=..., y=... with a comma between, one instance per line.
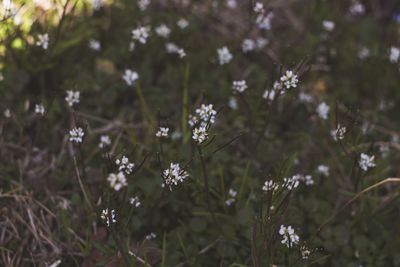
x=364, y=53
x=394, y=54
x=232, y=193
x=130, y=77
x=192, y=120
x=323, y=110
x=131, y=46
x=162, y=132
x=270, y=185
x=200, y=134
x=323, y=169
x=143, y=4
x=7, y=113
x=174, y=49
x=366, y=161
x=305, y=252
x=135, y=201
x=261, y=42
x=231, y=4
x=291, y=182
x=328, y=25
x=117, y=181
x=357, y=8
x=229, y=201
x=124, y=165
x=176, y=135
x=307, y=179
x=248, y=45
x=174, y=174
x=269, y=94
x=264, y=21
x=97, y=4
x=224, y=56
x=43, y=40
x=163, y=31
x=39, y=109
x=108, y=217
x=259, y=8
x=73, y=97
x=305, y=98
x=206, y=113
x=104, y=141
x=239, y=86
x=232, y=103
x=289, y=237
x=150, y=236
x=76, y=135
x=182, y=23
x=141, y=34
x=339, y=133
x=94, y=45
x=289, y=79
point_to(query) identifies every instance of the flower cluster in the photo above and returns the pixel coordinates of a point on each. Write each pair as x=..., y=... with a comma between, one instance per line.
x=130, y=77
x=104, y=141
x=43, y=41
x=117, y=181
x=232, y=195
x=108, y=217
x=163, y=31
x=323, y=110
x=73, y=97
x=76, y=135
x=289, y=238
x=124, y=165
x=39, y=109
x=200, y=134
x=291, y=182
x=174, y=174
x=289, y=80
x=239, y=86
x=339, y=133
x=270, y=185
x=224, y=56
x=162, y=132
x=174, y=49
x=249, y=45
x=135, y=201
x=141, y=34
x=94, y=45
x=366, y=161
x=323, y=169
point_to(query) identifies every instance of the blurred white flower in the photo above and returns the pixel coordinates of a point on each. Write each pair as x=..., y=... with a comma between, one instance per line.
x=232, y=103
x=200, y=134
x=357, y=8
x=7, y=113
x=150, y=236
x=289, y=79
x=174, y=174
x=39, y=109
x=124, y=165
x=104, y=141
x=130, y=77
x=289, y=237
x=43, y=41
x=141, y=34
x=328, y=25
x=269, y=94
x=174, y=49
x=364, y=53
x=261, y=42
x=394, y=54
x=224, y=56
x=109, y=217
x=162, y=132
x=94, y=45
x=131, y=46
x=76, y=135
x=366, y=161
x=117, y=181
x=305, y=98
x=135, y=201
x=182, y=23
x=270, y=185
x=232, y=193
x=264, y=21
x=248, y=45
x=323, y=110
x=163, y=31
x=259, y=8
x=323, y=169
x=206, y=113
x=291, y=182
x=239, y=86
x=231, y=4
x=307, y=179
x=143, y=4
x=73, y=97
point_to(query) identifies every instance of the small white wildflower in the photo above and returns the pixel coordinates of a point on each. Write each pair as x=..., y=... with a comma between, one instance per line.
x=305, y=98
x=339, y=132
x=259, y=8
x=239, y=86
x=104, y=141
x=248, y=45
x=289, y=79
x=94, y=45
x=109, y=217
x=394, y=54
x=163, y=31
x=117, y=181
x=174, y=49
x=7, y=113
x=76, y=135
x=328, y=25
x=135, y=201
x=162, y=132
x=143, y=4
x=231, y=4
x=264, y=22
x=357, y=8
x=150, y=236
x=124, y=165
x=291, y=182
x=192, y=120
x=39, y=109
x=206, y=113
x=229, y=201
x=269, y=94
x=174, y=174
x=307, y=179
x=323, y=110
x=182, y=23
x=289, y=237
x=323, y=169
x=366, y=161
x=200, y=134
x=43, y=41
x=141, y=34
x=232, y=193
x=364, y=53
x=232, y=103
x=130, y=77
x=261, y=42
x=305, y=253
x=270, y=185
x=73, y=97
x=176, y=135
x=224, y=56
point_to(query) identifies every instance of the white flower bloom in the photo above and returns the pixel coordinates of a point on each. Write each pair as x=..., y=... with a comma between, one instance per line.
x=224, y=56
x=124, y=165
x=7, y=113
x=323, y=110
x=239, y=86
x=289, y=237
x=307, y=179
x=328, y=25
x=163, y=31
x=200, y=134
x=364, y=53
x=232, y=103
x=135, y=201
x=141, y=34
x=229, y=201
x=394, y=54
x=291, y=182
x=323, y=169
x=206, y=114
x=76, y=135
x=108, y=217
x=94, y=45
x=305, y=252
x=104, y=141
x=339, y=133
x=174, y=174
x=143, y=4
x=269, y=95
x=289, y=79
x=130, y=77
x=43, y=41
x=150, y=236
x=39, y=109
x=174, y=49
x=232, y=193
x=117, y=181
x=259, y=8
x=357, y=8
x=162, y=132
x=261, y=42
x=193, y=120
x=264, y=21
x=73, y=97
x=305, y=98
x=248, y=45
x=366, y=161
x=182, y=23
x=270, y=185
x=231, y=4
